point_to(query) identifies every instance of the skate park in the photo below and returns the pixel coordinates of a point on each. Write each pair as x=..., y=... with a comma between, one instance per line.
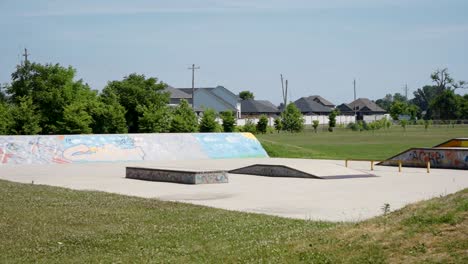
x=252, y=182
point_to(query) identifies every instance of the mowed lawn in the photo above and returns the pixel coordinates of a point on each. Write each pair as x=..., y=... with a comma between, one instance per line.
x=344, y=143
x=42, y=224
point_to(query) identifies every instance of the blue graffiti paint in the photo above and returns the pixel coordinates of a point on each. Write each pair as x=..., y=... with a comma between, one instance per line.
x=227, y=145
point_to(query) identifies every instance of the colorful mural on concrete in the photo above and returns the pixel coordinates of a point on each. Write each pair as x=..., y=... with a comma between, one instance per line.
x=62, y=149
x=230, y=145
x=449, y=158
x=456, y=143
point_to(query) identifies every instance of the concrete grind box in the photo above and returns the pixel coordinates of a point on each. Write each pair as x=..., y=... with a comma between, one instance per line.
x=177, y=176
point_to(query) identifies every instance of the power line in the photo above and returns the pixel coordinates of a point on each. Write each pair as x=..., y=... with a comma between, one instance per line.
x=193, y=68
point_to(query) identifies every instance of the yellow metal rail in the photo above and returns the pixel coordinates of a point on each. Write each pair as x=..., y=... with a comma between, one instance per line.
x=400, y=164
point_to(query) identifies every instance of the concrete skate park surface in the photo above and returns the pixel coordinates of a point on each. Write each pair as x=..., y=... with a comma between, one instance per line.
x=333, y=199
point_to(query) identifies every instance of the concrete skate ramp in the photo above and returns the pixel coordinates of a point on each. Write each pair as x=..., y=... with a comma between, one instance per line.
x=299, y=168
x=454, y=143
x=63, y=149
x=273, y=171
x=440, y=157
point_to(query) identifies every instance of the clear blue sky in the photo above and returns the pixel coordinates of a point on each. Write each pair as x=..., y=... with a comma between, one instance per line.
x=320, y=46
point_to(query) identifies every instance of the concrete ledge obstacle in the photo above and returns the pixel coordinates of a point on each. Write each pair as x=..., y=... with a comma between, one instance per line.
x=177, y=176
x=273, y=171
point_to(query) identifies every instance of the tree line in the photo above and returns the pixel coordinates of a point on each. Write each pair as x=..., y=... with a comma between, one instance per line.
x=46, y=99
x=437, y=101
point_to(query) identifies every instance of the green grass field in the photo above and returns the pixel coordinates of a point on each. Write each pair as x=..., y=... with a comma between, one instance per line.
x=344, y=143
x=54, y=225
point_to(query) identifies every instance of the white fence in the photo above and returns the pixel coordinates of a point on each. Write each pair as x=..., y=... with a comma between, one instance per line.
x=323, y=119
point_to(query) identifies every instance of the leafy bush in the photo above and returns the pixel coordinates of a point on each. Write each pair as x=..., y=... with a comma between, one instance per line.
x=332, y=120
x=184, y=118
x=262, y=124
x=208, y=122
x=250, y=126
x=315, y=125
x=278, y=124
x=229, y=121
x=292, y=119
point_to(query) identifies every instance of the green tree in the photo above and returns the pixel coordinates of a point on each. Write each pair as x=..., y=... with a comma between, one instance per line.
x=442, y=79
x=403, y=124
x=25, y=120
x=397, y=108
x=278, y=124
x=332, y=120
x=76, y=119
x=136, y=92
x=51, y=88
x=315, y=124
x=262, y=124
x=208, y=122
x=399, y=97
x=464, y=107
x=184, y=118
x=108, y=115
x=386, y=102
x=154, y=119
x=424, y=96
x=292, y=119
x=244, y=95
x=413, y=111
x=6, y=120
x=446, y=106
x=229, y=121
x=3, y=97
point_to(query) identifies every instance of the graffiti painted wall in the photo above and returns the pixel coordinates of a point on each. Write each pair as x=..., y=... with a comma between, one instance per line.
x=448, y=158
x=456, y=143
x=62, y=149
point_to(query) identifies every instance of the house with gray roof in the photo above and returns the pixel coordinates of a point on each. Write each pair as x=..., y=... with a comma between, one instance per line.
x=254, y=108
x=218, y=98
x=362, y=107
x=176, y=95
x=319, y=99
x=308, y=106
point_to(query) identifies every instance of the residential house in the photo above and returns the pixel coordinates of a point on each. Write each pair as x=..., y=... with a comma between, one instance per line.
x=308, y=106
x=319, y=99
x=176, y=95
x=255, y=108
x=218, y=98
x=364, y=109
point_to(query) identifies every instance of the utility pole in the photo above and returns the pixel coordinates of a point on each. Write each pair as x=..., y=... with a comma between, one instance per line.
x=25, y=55
x=284, y=91
x=193, y=68
x=354, y=84
x=354, y=106
x=406, y=92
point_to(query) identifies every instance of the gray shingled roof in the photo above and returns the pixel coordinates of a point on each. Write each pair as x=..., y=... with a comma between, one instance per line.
x=308, y=105
x=189, y=90
x=345, y=107
x=364, y=102
x=319, y=99
x=177, y=93
x=258, y=106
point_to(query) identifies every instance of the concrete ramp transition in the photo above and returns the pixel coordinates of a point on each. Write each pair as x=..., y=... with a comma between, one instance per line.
x=452, y=154
x=64, y=149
